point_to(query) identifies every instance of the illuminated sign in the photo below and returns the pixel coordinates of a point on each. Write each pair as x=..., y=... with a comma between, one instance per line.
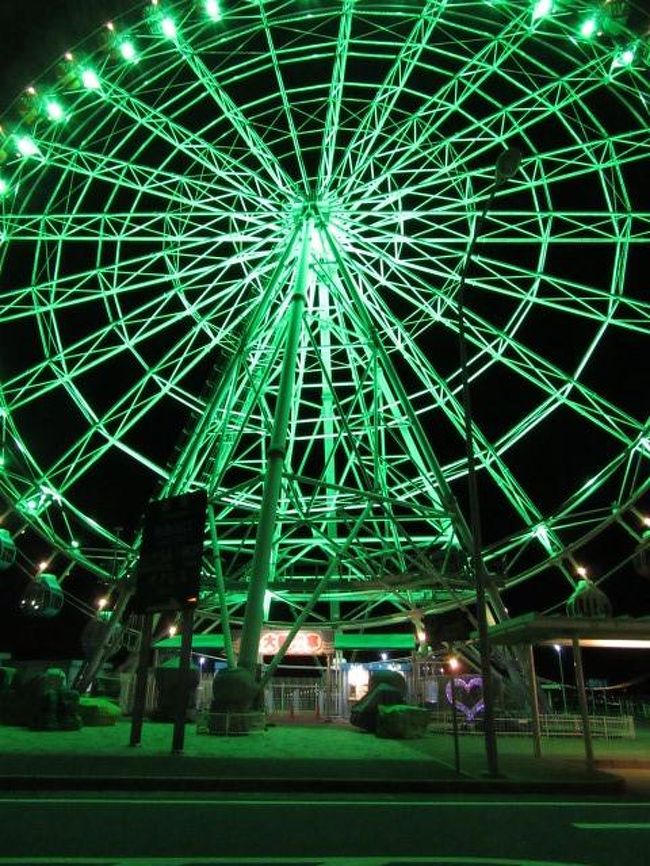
x=307, y=642
x=465, y=686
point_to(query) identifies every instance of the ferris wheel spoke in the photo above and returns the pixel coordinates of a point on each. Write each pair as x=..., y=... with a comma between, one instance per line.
x=226, y=173
x=68, y=291
x=284, y=97
x=111, y=426
x=380, y=109
x=200, y=227
x=563, y=295
x=335, y=98
x=566, y=227
x=216, y=418
x=407, y=140
x=126, y=174
x=240, y=123
x=563, y=389
x=471, y=141
x=549, y=378
x=448, y=225
x=95, y=349
x=434, y=384
x=577, y=160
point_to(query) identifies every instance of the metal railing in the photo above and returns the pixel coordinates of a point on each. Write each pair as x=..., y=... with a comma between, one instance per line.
x=605, y=727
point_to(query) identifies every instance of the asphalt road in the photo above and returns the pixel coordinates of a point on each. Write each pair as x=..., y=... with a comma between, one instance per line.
x=161, y=830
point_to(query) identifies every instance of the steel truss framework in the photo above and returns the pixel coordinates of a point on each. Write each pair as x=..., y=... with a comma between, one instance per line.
x=152, y=226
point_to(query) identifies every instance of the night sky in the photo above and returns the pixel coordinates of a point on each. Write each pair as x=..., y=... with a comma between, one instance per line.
x=33, y=35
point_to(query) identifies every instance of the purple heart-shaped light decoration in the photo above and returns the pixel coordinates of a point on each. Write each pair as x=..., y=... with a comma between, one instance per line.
x=470, y=712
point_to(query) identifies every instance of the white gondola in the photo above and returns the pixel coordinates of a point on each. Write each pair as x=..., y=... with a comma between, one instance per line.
x=7, y=550
x=43, y=597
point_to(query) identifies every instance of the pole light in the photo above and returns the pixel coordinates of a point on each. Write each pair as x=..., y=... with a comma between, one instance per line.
x=558, y=650
x=506, y=166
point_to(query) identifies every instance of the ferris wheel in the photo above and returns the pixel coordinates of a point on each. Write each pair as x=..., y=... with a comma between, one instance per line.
x=232, y=238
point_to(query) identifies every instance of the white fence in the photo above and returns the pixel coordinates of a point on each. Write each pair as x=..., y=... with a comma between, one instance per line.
x=295, y=697
x=288, y=698
x=127, y=692
x=283, y=697
x=605, y=727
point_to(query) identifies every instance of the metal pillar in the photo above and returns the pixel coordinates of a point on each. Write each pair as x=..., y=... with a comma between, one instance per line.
x=221, y=590
x=311, y=604
x=454, y=722
x=182, y=686
x=534, y=703
x=563, y=684
x=582, y=701
x=476, y=558
x=142, y=676
x=507, y=165
x=90, y=668
x=254, y=617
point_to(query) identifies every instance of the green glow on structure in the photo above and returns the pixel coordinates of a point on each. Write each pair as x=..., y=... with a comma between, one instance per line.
x=128, y=52
x=542, y=8
x=626, y=57
x=90, y=79
x=26, y=146
x=213, y=10
x=160, y=237
x=54, y=110
x=168, y=28
x=588, y=27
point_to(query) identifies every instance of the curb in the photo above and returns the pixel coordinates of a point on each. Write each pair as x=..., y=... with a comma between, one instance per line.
x=604, y=783
x=622, y=764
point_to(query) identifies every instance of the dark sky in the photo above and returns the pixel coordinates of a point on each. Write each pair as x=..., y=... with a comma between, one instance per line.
x=34, y=33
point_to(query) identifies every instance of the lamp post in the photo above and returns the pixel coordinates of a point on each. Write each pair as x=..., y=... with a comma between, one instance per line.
x=558, y=650
x=506, y=166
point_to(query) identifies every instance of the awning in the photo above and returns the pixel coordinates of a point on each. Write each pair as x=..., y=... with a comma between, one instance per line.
x=199, y=642
x=349, y=641
x=342, y=641
x=620, y=632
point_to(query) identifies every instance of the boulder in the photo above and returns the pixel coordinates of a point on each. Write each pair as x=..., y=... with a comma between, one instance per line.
x=53, y=709
x=234, y=691
x=364, y=712
x=68, y=717
x=98, y=712
x=6, y=677
x=401, y=722
x=394, y=679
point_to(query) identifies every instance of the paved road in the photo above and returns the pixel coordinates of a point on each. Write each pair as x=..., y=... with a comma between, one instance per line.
x=213, y=830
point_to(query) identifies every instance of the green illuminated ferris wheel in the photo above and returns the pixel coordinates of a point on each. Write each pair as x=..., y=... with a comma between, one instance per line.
x=232, y=240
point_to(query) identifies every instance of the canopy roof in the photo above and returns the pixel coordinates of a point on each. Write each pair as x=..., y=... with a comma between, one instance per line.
x=533, y=628
x=342, y=641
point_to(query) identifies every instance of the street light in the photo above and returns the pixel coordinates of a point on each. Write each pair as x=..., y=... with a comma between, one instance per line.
x=558, y=650
x=506, y=166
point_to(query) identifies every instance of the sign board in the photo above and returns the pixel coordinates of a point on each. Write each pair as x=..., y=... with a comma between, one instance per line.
x=596, y=683
x=307, y=642
x=169, y=568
